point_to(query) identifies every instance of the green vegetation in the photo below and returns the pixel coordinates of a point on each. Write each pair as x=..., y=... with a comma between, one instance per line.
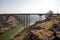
x=12, y=33
x=58, y=16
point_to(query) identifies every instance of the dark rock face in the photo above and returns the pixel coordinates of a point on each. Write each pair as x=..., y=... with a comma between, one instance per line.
x=51, y=33
x=51, y=37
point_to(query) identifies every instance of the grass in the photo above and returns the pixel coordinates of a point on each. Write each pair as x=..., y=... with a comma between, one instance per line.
x=58, y=16
x=12, y=33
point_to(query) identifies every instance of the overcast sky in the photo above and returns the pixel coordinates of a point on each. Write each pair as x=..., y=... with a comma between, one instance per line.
x=29, y=6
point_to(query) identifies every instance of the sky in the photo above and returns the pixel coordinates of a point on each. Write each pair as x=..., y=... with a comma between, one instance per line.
x=29, y=6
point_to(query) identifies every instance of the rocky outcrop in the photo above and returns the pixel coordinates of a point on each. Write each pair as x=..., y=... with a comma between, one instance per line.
x=8, y=23
x=47, y=30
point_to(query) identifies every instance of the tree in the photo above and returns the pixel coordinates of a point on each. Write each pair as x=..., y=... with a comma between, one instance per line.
x=49, y=14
